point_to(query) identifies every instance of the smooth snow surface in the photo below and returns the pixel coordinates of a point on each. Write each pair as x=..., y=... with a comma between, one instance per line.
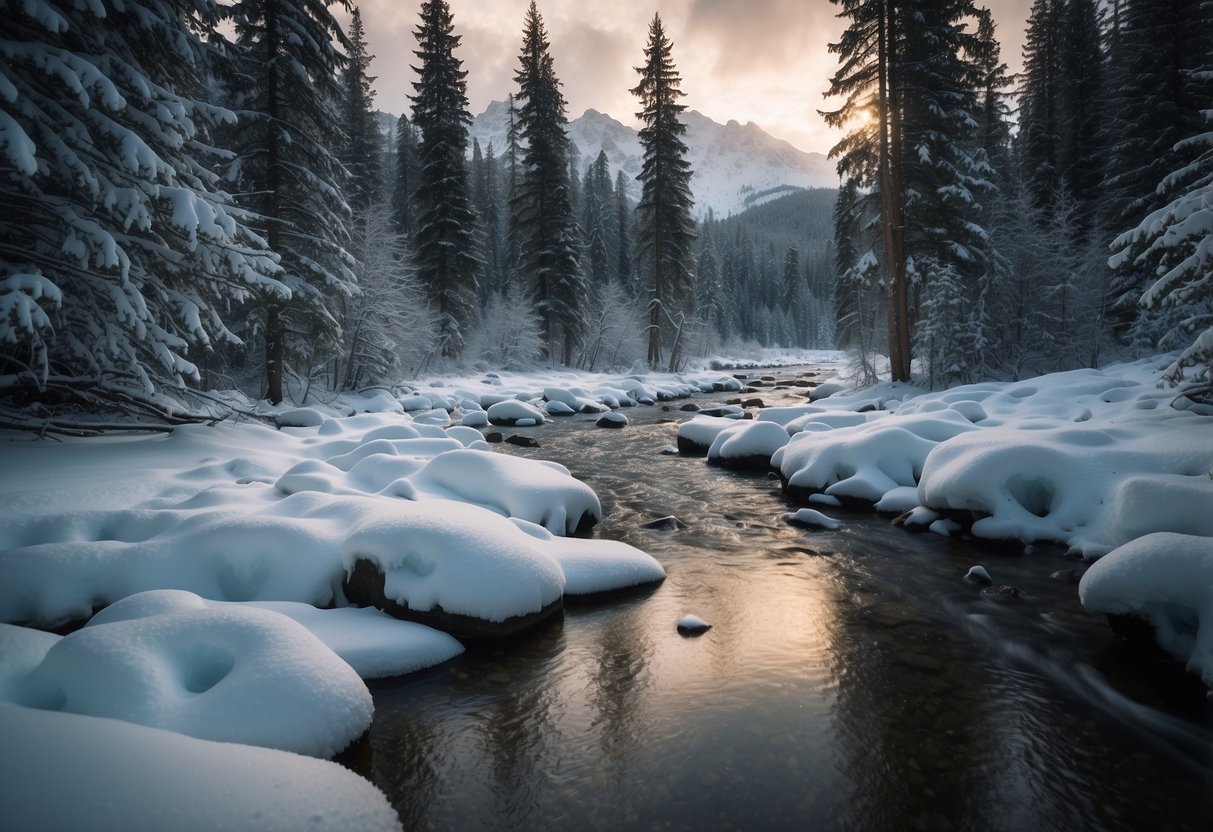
x=61, y=771
x=1166, y=578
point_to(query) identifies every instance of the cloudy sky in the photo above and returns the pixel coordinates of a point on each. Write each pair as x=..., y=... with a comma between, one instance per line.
x=751, y=60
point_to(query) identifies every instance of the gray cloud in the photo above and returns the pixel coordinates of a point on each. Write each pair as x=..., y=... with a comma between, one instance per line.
x=751, y=60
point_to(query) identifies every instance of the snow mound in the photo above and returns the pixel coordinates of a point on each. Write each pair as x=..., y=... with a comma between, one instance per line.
x=1090, y=458
x=701, y=431
x=512, y=411
x=227, y=674
x=747, y=440
x=373, y=643
x=592, y=566
x=1166, y=578
x=541, y=492
x=67, y=771
x=866, y=461
x=462, y=558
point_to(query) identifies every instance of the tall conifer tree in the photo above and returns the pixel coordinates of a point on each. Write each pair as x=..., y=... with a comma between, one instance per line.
x=289, y=95
x=548, y=236
x=443, y=242
x=665, y=230
x=121, y=254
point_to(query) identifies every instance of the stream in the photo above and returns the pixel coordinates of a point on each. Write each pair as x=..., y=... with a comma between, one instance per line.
x=851, y=680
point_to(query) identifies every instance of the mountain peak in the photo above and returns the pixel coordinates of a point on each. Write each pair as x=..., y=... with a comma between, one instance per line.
x=735, y=166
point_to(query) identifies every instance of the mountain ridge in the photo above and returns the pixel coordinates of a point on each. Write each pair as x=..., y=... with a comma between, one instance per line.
x=735, y=165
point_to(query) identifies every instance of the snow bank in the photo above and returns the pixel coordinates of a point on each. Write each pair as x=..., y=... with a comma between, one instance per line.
x=1090, y=458
x=1166, y=578
x=67, y=771
x=229, y=674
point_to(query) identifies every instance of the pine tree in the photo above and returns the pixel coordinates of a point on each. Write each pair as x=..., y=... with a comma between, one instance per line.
x=289, y=94
x=443, y=244
x=1080, y=156
x=624, y=272
x=548, y=235
x=1040, y=103
x=1175, y=243
x=407, y=174
x=992, y=81
x=362, y=153
x=665, y=231
x=873, y=152
x=1158, y=99
x=121, y=254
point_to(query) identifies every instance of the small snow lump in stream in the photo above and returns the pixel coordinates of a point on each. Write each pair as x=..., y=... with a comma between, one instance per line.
x=811, y=517
x=692, y=625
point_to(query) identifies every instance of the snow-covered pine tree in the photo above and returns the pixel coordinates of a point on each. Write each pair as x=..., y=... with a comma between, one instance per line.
x=487, y=200
x=1156, y=104
x=624, y=271
x=946, y=174
x=596, y=196
x=992, y=82
x=406, y=175
x=1175, y=243
x=873, y=151
x=362, y=153
x=547, y=231
x=1039, y=93
x=1080, y=155
x=388, y=328
x=513, y=169
x=288, y=94
x=665, y=231
x=442, y=243
x=119, y=249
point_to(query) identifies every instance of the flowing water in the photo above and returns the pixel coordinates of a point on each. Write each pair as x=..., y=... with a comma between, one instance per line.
x=851, y=680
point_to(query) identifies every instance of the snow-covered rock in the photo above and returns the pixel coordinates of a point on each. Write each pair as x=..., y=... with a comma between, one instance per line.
x=747, y=445
x=692, y=625
x=613, y=419
x=512, y=412
x=1167, y=579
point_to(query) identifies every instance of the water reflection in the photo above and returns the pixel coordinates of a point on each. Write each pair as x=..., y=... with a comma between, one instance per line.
x=850, y=681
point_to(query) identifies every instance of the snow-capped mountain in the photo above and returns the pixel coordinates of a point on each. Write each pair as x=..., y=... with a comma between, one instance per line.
x=735, y=166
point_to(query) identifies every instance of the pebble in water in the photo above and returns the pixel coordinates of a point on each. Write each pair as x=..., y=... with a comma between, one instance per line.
x=692, y=625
